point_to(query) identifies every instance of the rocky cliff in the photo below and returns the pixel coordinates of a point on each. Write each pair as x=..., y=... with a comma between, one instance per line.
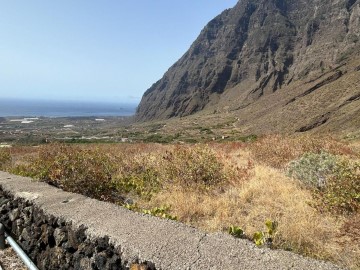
x=254, y=49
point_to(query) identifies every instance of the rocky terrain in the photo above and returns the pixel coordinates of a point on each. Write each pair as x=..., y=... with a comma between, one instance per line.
x=293, y=62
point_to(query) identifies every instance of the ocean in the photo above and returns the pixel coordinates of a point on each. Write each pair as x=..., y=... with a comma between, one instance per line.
x=38, y=108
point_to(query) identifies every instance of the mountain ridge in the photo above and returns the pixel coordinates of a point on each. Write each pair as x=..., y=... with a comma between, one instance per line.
x=253, y=50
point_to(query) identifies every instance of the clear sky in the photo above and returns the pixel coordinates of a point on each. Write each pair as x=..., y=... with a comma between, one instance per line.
x=105, y=50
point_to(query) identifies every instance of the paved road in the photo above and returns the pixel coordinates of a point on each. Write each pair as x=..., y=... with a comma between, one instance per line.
x=165, y=243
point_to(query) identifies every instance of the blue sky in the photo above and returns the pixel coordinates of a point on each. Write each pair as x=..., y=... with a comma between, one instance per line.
x=104, y=50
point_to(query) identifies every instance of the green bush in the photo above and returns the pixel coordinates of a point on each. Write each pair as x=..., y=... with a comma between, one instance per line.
x=139, y=176
x=334, y=180
x=188, y=167
x=161, y=212
x=74, y=169
x=197, y=166
x=236, y=231
x=5, y=157
x=266, y=238
x=313, y=169
x=206, y=130
x=249, y=138
x=158, y=138
x=113, y=177
x=342, y=192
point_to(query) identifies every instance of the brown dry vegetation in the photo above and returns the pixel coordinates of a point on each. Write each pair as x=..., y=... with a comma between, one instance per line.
x=213, y=186
x=10, y=261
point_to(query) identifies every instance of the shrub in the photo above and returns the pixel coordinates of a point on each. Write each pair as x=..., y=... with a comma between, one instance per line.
x=335, y=180
x=157, y=138
x=313, y=169
x=342, y=192
x=74, y=169
x=277, y=151
x=112, y=176
x=5, y=157
x=196, y=166
x=266, y=238
x=139, y=175
x=236, y=231
x=161, y=212
x=249, y=138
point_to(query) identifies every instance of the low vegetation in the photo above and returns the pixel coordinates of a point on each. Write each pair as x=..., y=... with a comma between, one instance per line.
x=300, y=194
x=5, y=157
x=336, y=180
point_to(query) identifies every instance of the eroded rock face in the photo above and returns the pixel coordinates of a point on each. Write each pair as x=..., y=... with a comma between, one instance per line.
x=252, y=50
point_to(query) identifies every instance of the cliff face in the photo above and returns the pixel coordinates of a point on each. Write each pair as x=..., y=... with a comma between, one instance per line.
x=253, y=50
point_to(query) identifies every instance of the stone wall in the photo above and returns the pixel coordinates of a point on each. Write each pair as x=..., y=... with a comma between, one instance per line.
x=61, y=230
x=52, y=242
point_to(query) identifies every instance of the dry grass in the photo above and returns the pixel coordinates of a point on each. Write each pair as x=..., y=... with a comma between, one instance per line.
x=10, y=261
x=263, y=193
x=348, y=240
x=277, y=150
x=242, y=184
x=268, y=194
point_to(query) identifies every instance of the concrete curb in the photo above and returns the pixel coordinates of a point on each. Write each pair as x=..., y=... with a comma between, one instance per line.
x=165, y=244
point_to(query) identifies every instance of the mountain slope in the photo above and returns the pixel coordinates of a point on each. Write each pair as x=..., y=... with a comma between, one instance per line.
x=253, y=50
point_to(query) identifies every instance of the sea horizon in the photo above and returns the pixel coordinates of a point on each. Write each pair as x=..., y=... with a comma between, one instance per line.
x=12, y=107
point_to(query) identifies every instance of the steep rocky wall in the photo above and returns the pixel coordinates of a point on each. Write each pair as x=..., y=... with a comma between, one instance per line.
x=61, y=230
x=252, y=50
